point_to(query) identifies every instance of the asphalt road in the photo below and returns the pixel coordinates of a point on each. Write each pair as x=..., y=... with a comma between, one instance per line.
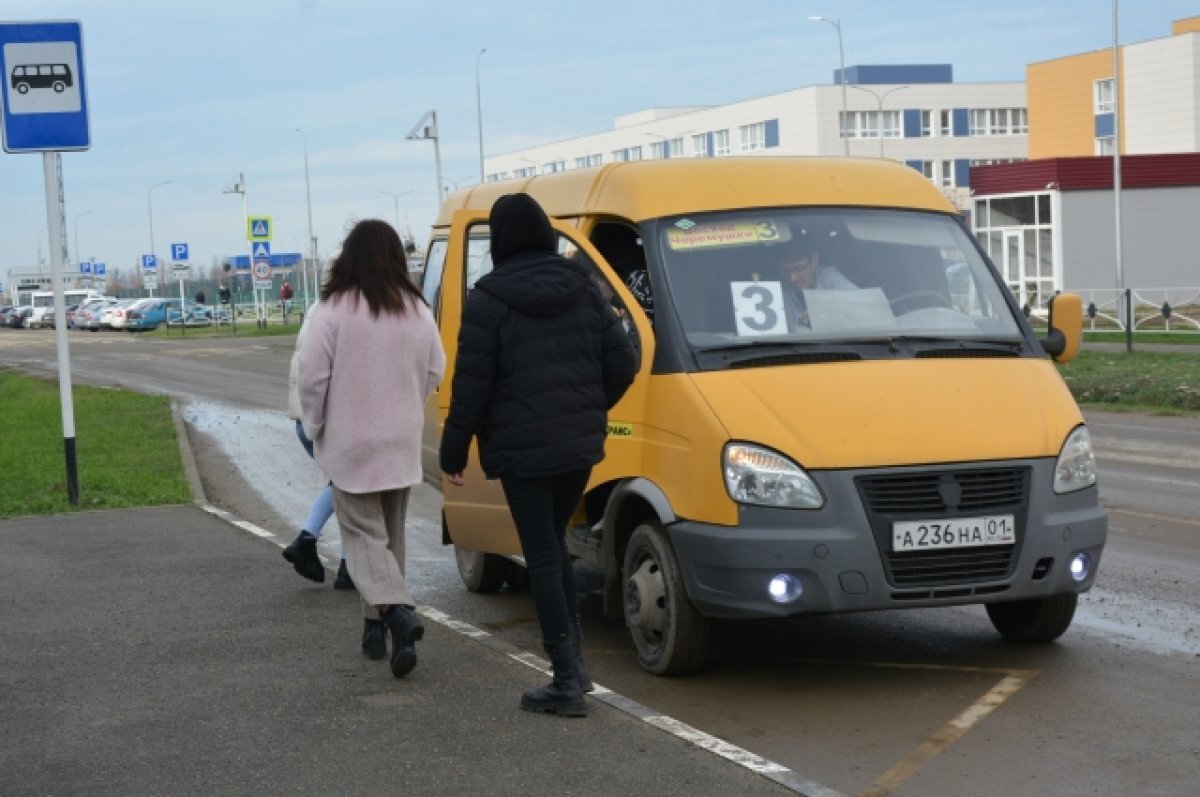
x=927, y=702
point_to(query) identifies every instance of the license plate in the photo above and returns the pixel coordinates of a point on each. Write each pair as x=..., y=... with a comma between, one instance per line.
x=963, y=532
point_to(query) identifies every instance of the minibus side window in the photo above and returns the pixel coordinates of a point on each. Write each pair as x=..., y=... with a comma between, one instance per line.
x=479, y=255
x=568, y=250
x=431, y=282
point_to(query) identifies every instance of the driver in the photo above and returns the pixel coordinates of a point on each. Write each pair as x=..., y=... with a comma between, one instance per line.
x=803, y=269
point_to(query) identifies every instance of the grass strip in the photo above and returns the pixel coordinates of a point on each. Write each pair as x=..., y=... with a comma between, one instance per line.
x=126, y=449
x=1158, y=382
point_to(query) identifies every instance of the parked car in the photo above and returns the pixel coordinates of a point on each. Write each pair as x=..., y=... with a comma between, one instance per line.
x=151, y=314
x=88, y=315
x=5, y=309
x=18, y=317
x=114, y=316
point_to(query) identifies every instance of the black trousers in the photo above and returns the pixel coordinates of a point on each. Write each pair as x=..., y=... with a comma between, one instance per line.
x=541, y=506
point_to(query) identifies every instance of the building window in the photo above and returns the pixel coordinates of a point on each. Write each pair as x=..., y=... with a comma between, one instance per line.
x=753, y=136
x=700, y=146
x=595, y=159
x=619, y=155
x=947, y=175
x=1102, y=95
x=873, y=124
x=721, y=142
x=675, y=147
x=581, y=162
x=635, y=153
x=1105, y=146
x=554, y=166
x=946, y=117
x=660, y=149
x=926, y=124
x=999, y=121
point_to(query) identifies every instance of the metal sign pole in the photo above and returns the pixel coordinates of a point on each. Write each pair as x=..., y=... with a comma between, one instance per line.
x=50, y=169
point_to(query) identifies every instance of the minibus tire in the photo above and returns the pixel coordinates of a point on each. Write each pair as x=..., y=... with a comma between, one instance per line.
x=481, y=572
x=1039, y=620
x=669, y=636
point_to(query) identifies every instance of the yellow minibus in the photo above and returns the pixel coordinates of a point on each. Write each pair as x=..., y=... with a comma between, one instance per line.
x=839, y=407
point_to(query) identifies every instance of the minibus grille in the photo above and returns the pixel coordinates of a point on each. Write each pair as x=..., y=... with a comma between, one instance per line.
x=961, y=353
x=931, y=495
x=902, y=495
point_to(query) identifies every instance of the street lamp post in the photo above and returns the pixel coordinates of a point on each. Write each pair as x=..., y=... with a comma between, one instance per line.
x=450, y=181
x=311, y=240
x=240, y=188
x=479, y=112
x=150, y=214
x=837, y=25
x=396, y=203
x=879, y=101
x=78, y=254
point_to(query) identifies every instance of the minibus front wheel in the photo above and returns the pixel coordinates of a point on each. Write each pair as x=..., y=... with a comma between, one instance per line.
x=669, y=635
x=1037, y=620
x=481, y=572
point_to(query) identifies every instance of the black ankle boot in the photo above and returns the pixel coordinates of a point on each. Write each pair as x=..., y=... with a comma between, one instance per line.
x=343, y=580
x=302, y=553
x=585, y=679
x=374, y=641
x=564, y=694
x=406, y=629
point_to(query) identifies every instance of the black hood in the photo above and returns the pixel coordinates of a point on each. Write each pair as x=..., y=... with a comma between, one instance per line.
x=537, y=283
x=519, y=226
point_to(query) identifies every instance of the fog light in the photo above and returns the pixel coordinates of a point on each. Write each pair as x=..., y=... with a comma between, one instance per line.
x=785, y=588
x=1081, y=566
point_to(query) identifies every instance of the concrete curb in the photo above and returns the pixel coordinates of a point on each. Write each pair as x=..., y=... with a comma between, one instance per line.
x=185, y=454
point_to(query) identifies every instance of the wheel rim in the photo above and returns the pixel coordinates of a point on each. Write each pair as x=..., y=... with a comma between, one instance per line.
x=646, y=602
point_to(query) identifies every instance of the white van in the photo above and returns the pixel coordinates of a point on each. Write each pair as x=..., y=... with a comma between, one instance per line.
x=43, y=304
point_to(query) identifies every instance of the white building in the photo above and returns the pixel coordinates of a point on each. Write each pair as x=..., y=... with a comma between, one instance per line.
x=913, y=113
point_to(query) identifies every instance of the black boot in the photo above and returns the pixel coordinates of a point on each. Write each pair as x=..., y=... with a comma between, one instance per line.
x=374, y=642
x=585, y=680
x=343, y=580
x=302, y=553
x=564, y=694
x=406, y=629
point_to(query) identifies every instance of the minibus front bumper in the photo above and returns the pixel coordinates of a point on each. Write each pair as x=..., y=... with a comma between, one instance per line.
x=779, y=562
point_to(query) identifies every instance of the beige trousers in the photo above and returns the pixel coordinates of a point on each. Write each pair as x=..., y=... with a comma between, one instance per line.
x=372, y=527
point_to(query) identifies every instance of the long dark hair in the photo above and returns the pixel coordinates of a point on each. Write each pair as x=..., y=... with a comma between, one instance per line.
x=372, y=263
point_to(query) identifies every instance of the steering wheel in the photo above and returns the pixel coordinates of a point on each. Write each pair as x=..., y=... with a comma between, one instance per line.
x=915, y=300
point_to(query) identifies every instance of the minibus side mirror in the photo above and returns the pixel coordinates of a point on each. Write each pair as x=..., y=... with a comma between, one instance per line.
x=1065, y=323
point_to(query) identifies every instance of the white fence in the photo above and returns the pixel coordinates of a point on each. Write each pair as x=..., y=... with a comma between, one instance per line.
x=1158, y=309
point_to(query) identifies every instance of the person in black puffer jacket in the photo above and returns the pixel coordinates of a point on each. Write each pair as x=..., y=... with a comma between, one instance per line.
x=541, y=359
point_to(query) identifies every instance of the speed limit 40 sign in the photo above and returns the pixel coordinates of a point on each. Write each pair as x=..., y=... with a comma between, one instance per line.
x=261, y=271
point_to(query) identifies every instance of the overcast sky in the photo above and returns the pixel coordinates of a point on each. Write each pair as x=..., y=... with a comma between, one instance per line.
x=196, y=92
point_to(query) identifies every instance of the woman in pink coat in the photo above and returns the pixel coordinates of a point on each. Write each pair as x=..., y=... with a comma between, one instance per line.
x=369, y=361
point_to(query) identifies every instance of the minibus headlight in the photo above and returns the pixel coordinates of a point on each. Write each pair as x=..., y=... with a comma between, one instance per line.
x=757, y=475
x=1076, y=465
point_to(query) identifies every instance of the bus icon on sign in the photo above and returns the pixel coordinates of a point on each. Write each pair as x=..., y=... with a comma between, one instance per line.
x=41, y=76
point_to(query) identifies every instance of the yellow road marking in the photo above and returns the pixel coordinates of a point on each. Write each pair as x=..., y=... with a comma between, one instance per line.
x=948, y=733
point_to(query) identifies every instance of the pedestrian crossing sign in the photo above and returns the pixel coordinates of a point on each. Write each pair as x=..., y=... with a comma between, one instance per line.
x=261, y=251
x=258, y=228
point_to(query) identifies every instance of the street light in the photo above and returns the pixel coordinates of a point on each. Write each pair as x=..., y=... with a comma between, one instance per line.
x=479, y=112
x=396, y=202
x=879, y=100
x=311, y=240
x=837, y=25
x=239, y=187
x=78, y=256
x=454, y=182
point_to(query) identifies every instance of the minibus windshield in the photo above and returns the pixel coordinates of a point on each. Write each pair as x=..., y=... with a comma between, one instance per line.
x=828, y=275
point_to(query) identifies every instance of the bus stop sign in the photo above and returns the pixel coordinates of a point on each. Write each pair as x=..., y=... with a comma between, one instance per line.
x=44, y=96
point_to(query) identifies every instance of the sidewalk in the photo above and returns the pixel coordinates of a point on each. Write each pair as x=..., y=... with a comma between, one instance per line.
x=164, y=651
